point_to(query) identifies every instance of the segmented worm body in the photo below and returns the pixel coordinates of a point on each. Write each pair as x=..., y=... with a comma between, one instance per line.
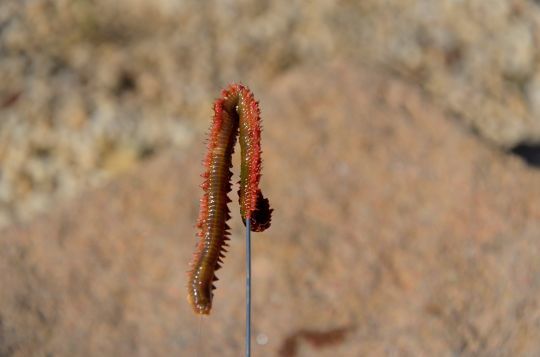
x=235, y=113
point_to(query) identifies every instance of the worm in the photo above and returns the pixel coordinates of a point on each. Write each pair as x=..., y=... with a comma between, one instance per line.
x=236, y=113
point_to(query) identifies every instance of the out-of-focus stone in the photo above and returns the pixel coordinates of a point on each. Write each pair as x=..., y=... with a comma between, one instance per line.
x=395, y=231
x=119, y=160
x=533, y=94
x=473, y=57
x=128, y=71
x=517, y=51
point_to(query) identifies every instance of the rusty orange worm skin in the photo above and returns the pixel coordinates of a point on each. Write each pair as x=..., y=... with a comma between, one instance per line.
x=236, y=112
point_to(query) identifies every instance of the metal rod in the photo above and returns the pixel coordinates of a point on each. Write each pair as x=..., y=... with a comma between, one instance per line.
x=248, y=287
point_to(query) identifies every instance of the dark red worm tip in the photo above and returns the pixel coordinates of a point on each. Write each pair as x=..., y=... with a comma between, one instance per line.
x=261, y=217
x=236, y=113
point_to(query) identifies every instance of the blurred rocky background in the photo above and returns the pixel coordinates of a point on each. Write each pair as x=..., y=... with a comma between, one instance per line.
x=405, y=224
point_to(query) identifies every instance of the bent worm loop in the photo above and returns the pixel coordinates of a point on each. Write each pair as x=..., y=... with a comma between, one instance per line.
x=235, y=112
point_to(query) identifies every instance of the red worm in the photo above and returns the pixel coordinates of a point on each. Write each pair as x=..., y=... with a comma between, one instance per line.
x=236, y=112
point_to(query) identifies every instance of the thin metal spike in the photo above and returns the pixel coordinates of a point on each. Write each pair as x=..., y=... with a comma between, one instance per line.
x=248, y=288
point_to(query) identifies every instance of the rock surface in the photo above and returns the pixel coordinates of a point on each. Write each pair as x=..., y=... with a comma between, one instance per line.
x=476, y=58
x=89, y=89
x=396, y=232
